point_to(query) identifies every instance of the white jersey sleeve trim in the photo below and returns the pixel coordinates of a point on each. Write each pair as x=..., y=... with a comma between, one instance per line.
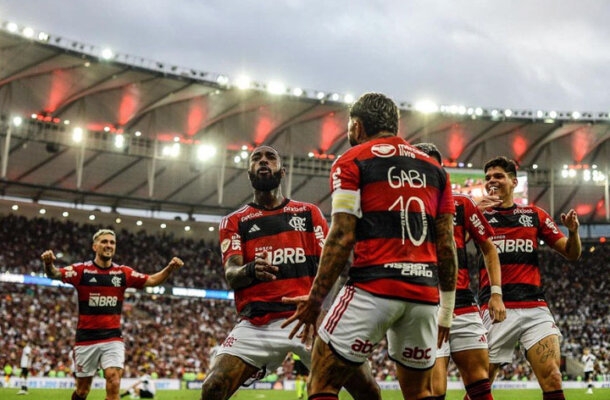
x=346, y=201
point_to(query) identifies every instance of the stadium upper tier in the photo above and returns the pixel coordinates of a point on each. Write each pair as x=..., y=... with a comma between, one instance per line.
x=122, y=131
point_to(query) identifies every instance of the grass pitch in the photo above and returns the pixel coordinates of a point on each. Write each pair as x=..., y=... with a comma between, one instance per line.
x=518, y=394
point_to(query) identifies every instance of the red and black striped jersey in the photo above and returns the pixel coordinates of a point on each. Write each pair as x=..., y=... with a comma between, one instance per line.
x=293, y=234
x=100, y=298
x=517, y=232
x=469, y=222
x=402, y=191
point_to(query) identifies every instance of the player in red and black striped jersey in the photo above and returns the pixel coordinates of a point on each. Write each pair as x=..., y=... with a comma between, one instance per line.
x=518, y=230
x=101, y=286
x=271, y=249
x=391, y=204
x=467, y=343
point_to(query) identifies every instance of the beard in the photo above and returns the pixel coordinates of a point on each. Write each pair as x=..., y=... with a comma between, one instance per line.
x=265, y=183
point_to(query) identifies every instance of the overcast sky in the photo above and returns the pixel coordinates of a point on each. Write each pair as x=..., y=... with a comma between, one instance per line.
x=530, y=54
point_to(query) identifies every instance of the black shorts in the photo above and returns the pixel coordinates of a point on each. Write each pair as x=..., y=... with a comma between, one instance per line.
x=24, y=373
x=300, y=368
x=589, y=375
x=145, y=394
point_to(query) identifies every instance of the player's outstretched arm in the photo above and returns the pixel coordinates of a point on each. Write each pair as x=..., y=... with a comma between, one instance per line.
x=447, y=273
x=497, y=310
x=48, y=257
x=161, y=276
x=570, y=248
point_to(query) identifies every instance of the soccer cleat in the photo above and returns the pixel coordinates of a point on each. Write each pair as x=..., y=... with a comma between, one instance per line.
x=22, y=392
x=589, y=391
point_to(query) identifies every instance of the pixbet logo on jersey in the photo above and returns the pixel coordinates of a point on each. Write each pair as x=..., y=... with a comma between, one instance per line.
x=97, y=300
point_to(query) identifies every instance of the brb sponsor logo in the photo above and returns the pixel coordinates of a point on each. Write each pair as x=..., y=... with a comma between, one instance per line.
x=416, y=353
x=97, y=300
x=286, y=255
x=362, y=346
x=514, y=245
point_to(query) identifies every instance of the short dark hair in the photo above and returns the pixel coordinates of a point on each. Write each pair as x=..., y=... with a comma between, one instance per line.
x=377, y=112
x=431, y=150
x=508, y=165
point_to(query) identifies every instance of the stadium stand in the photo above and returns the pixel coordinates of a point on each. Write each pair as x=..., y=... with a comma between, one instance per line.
x=177, y=335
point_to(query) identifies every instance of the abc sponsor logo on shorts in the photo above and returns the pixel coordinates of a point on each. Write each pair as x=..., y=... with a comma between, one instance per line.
x=362, y=346
x=416, y=353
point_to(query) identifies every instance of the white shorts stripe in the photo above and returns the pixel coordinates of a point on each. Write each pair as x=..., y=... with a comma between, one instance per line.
x=348, y=295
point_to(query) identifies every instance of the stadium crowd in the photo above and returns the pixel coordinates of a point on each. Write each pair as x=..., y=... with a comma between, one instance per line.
x=177, y=336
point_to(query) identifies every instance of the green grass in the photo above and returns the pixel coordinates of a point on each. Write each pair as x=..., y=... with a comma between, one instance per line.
x=52, y=394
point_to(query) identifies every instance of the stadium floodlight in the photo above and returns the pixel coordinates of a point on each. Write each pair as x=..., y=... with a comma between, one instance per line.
x=138, y=133
x=107, y=54
x=426, y=106
x=508, y=113
x=349, y=98
x=14, y=207
x=43, y=36
x=222, y=80
x=478, y=111
x=310, y=154
x=297, y=92
x=163, y=226
x=119, y=141
x=237, y=159
x=77, y=135
x=320, y=95
x=576, y=115
x=172, y=150
x=42, y=211
x=92, y=217
x=28, y=32
x=17, y=121
x=243, y=154
x=211, y=229
x=205, y=152
x=12, y=27
x=139, y=223
x=65, y=214
x=187, y=228
x=243, y=82
x=334, y=96
x=552, y=114
x=276, y=88
x=66, y=122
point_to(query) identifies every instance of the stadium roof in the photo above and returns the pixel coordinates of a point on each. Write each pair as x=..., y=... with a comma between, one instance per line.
x=56, y=85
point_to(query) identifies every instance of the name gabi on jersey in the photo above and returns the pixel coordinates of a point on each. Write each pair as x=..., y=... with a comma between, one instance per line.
x=96, y=300
x=411, y=269
x=514, y=245
x=398, y=178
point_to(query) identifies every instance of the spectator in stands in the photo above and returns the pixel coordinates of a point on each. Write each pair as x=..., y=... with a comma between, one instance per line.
x=101, y=286
x=518, y=230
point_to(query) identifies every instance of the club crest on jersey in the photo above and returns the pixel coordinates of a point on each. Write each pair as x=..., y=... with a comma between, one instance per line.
x=116, y=281
x=297, y=223
x=526, y=220
x=383, y=150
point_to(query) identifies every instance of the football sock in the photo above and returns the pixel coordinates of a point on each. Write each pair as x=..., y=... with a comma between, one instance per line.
x=479, y=390
x=323, y=396
x=554, y=395
x=77, y=397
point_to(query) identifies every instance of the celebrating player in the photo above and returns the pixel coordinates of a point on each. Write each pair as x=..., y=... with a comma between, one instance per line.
x=101, y=286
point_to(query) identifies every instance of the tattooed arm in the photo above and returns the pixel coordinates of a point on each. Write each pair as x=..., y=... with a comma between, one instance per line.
x=447, y=272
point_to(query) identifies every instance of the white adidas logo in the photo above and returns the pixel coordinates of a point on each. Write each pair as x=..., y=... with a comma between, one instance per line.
x=254, y=228
x=493, y=221
x=93, y=280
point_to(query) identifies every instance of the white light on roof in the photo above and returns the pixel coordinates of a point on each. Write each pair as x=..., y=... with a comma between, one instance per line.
x=222, y=80
x=553, y=114
x=91, y=217
x=42, y=211
x=65, y=214
x=171, y=150
x=349, y=98
x=508, y=112
x=243, y=82
x=478, y=111
x=187, y=228
x=243, y=154
x=539, y=113
x=534, y=166
x=297, y=92
x=28, y=32
x=426, y=106
x=43, y=36
x=14, y=207
x=163, y=225
x=17, y=121
x=67, y=122
x=139, y=223
x=107, y=54
x=276, y=88
x=119, y=141
x=12, y=27
x=237, y=159
x=138, y=133
x=211, y=229
x=118, y=220
x=310, y=154
x=206, y=152
x=334, y=96
x=320, y=95
x=77, y=135
x=106, y=129
x=576, y=115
